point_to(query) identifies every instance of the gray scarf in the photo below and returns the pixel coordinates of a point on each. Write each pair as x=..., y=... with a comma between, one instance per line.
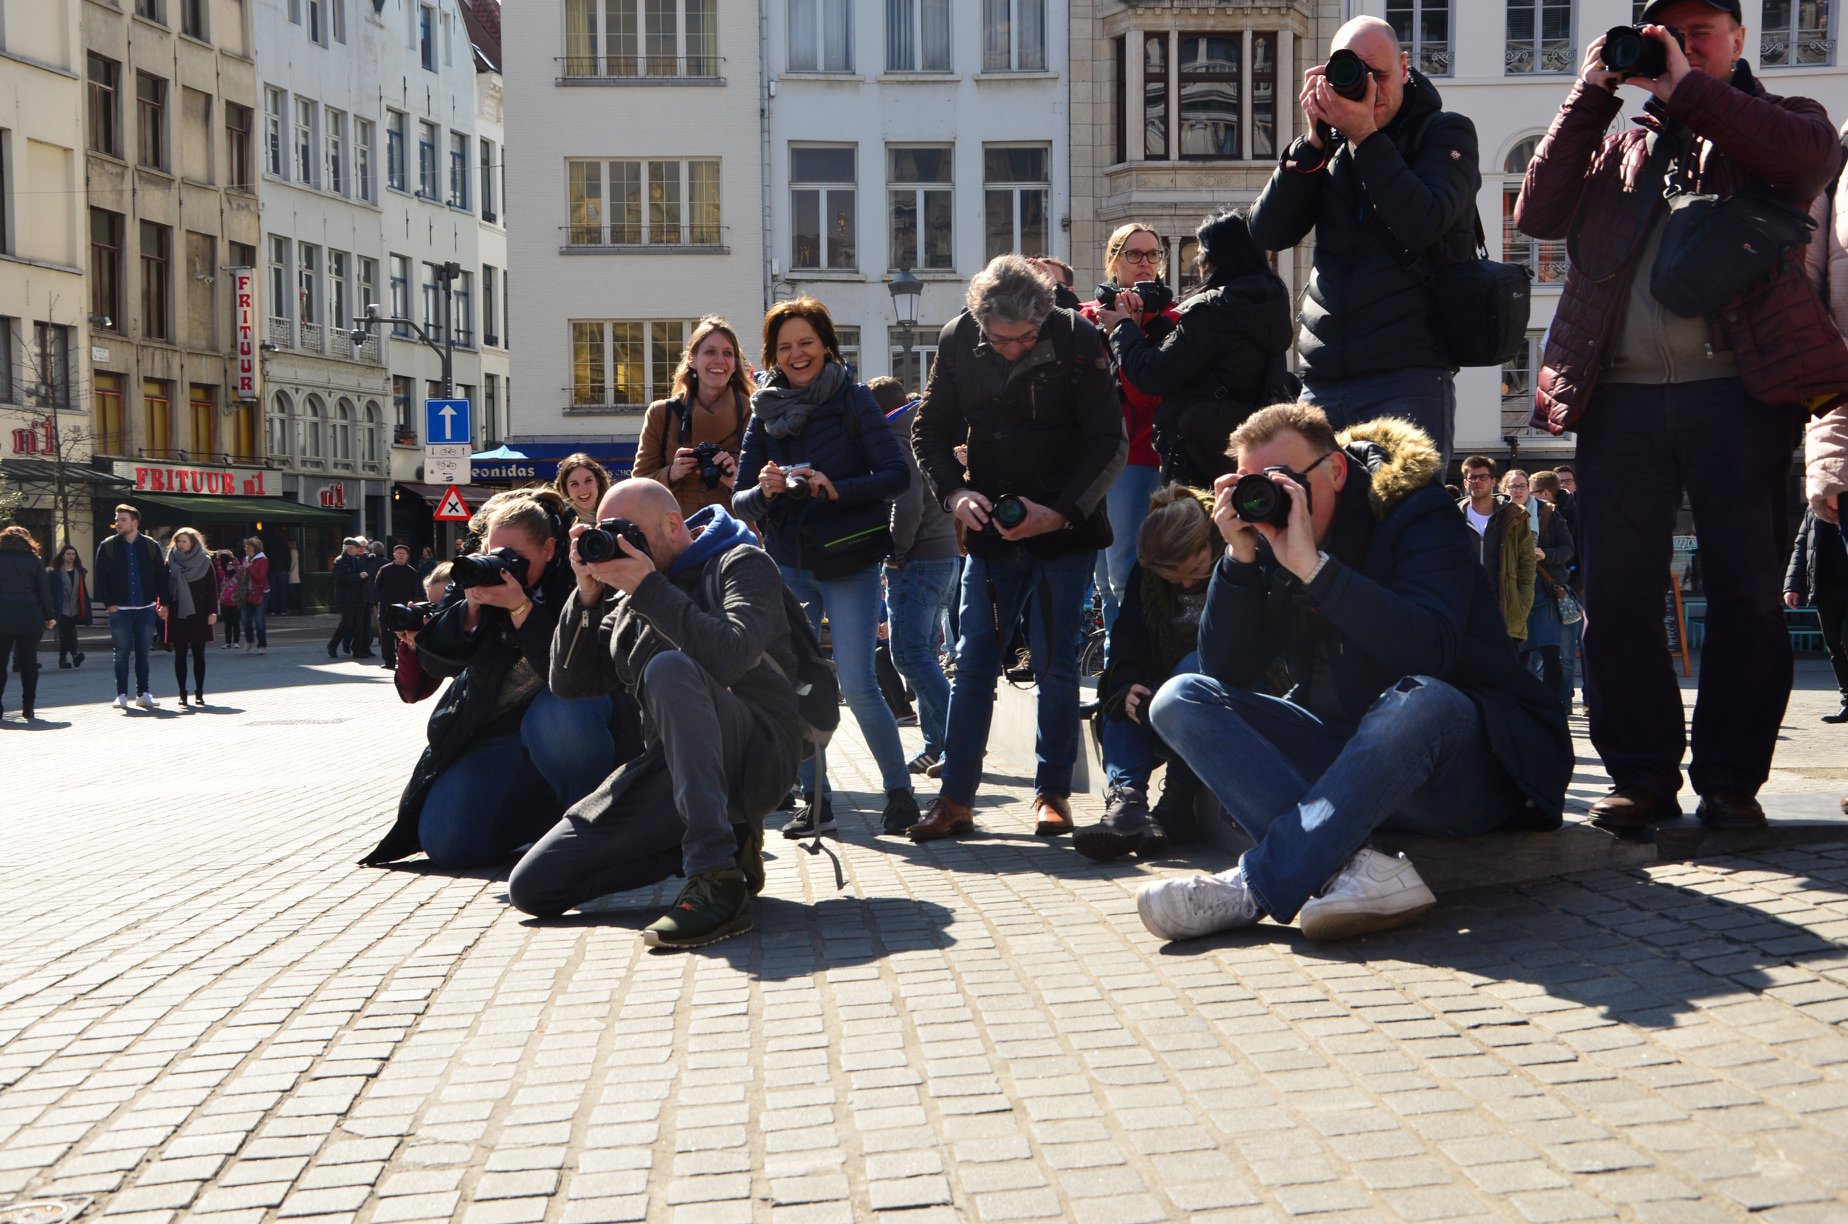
x=187, y=568
x=784, y=409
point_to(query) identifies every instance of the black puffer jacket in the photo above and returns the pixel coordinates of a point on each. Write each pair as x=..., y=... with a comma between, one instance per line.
x=1375, y=210
x=1213, y=369
x=25, y=594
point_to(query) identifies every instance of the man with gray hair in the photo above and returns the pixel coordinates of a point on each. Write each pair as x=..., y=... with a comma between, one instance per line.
x=1027, y=386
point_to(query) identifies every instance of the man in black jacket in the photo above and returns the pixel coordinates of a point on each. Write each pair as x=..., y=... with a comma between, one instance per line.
x=1028, y=387
x=131, y=581
x=1391, y=194
x=1410, y=709
x=396, y=583
x=349, y=575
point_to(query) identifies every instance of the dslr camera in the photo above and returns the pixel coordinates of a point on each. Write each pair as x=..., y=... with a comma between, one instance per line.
x=797, y=487
x=1346, y=74
x=1006, y=511
x=1258, y=499
x=599, y=543
x=706, y=456
x=1156, y=297
x=485, y=569
x=406, y=617
x=1629, y=51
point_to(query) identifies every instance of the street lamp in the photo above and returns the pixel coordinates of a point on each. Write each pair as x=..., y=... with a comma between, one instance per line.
x=906, y=289
x=447, y=274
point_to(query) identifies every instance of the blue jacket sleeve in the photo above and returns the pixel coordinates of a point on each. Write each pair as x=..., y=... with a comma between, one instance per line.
x=887, y=473
x=1415, y=627
x=1237, y=638
x=748, y=501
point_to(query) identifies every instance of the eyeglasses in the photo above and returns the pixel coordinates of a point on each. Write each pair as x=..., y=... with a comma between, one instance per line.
x=1029, y=338
x=1141, y=257
x=1475, y=476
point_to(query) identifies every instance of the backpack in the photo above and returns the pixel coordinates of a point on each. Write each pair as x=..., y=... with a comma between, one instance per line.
x=817, y=685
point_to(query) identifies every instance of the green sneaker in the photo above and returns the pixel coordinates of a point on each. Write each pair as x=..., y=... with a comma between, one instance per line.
x=751, y=856
x=714, y=905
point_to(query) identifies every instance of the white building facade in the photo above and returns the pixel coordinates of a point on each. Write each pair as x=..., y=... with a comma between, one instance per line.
x=636, y=145
x=491, y=407
x=919, y=135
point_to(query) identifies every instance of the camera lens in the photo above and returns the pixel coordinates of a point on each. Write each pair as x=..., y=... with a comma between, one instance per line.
x=1257, y=499
x=1623, y=47
x=1346, y=74
x=797, y=488
x=596, y=545
x=1008, y=511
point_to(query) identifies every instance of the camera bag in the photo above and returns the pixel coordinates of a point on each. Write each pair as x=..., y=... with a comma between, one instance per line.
x=1717, y=247
x=843, y=542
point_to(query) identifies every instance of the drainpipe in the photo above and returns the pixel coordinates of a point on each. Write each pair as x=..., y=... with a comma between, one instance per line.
x=763, y=126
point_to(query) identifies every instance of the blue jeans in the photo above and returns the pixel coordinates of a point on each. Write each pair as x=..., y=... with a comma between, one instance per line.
x=493, y=799
x=916, y=596
x=852, y=607
x=1568, y=660
x=132, y=630
x=952, y=611
x=1055, y=632
x=1310, y=793
x=1127, y=504
x=1427, y=397
x=1132, y=749
x=256, y=624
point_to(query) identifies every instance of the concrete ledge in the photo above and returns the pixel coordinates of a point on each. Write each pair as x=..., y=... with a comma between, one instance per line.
x=1011, y=736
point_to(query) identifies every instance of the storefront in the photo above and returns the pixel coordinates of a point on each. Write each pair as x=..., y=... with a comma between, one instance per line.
x=527, y=463
x=51, y=492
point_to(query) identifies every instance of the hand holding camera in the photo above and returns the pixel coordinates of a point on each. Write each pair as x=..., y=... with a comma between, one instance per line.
x=1274, y=504
x=1340, y=95
x=1116, y=303
x=614, y=553
x=798, y=482
x=1009, y=516
x=1653, y=56
x=492, y=579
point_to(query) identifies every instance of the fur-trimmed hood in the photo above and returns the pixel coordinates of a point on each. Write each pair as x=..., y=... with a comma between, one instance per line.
x=1399, y=456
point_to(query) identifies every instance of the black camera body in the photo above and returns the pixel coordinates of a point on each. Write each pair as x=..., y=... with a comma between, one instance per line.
x=1259, y=499
x=705, y=455
x=599, y=543
x=485, y=569
x=796, y=487
x=1346, y=74
x=1629, y=51
x=1005, y=511
x=406, y=617
x=1156, y=297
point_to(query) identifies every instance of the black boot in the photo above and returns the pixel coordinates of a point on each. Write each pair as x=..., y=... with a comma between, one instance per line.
x=1174, y=811
x=1126, y=826
x=1841, y=682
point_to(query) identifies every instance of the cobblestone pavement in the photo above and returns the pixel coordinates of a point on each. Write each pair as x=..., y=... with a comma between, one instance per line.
x=206, y=1011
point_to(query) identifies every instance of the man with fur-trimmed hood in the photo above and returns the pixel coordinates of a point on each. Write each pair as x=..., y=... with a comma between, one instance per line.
x=1410, y=710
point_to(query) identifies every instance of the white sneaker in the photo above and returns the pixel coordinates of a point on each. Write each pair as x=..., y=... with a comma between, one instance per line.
x=1187, y=907
x=263, y=650
x=1374, y=892
x=121, y=701
x=145, y=701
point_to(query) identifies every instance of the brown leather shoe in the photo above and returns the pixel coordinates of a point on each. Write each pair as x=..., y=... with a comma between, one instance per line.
x=943, y=818
x=1728, y=809
x=1054, y=813
x=1632, y=809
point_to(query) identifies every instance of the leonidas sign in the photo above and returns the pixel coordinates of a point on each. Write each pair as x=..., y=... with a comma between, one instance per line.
x=215, y=481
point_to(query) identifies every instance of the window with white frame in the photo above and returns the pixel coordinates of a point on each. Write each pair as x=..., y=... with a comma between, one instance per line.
x=317, y=22
x=912, y=354
x=641, y=38
x=487, y=191
x=400, y=293
x=275, y=106
x=1423, y=28
x=340, y=310
x=820, y=36
x=428, y=137
x=426, y=37
x=1226, y=86
x=337, y=15
x=362, y=161
x=342, y=434
x=458, y=170
x=432, y=301
x=490, y=306
x=1517, y=388
x=917, y=35
x=462, y=296
x=307, y=172
x=368, y=292
x=1544, y=259
x=1017, y=196
x=624, y=363
x=643, y=203
x=314, y=430
x=336, y=151
x=1539, y=37
x=397, y=153
x=1013, y=35
x=308, y=284
x=373, y=440
x=1795, y=33
x=918, y=194
x=279, y=277
x=281, y=425
x=848, y=338
x=821, y=201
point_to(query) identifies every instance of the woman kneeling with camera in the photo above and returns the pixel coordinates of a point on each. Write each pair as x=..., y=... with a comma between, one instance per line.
x=499, y=739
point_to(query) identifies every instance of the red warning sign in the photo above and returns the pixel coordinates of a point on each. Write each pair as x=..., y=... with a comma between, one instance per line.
x=452, y=509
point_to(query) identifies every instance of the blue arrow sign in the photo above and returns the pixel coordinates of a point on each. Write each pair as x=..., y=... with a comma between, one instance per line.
x=447, y=420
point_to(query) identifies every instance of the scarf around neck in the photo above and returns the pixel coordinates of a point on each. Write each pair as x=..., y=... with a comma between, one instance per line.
x=187, y=568
x=786, y=409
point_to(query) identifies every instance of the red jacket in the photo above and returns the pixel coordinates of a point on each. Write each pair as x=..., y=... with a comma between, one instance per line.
x=1786, y=347
x=1138, y=408
x=258, y=567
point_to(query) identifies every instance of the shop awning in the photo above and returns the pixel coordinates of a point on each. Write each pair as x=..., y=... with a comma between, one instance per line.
x=188, y=508
x=44, y=472
x=472, y=494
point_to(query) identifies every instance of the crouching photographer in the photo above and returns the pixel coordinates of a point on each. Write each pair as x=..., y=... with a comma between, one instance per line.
x=499, y=740
x=691, y=618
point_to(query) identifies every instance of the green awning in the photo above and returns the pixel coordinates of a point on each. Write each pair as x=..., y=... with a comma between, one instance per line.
x=191, y=508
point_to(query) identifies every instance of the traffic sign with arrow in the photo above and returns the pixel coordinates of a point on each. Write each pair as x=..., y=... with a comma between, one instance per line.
x=447, y=420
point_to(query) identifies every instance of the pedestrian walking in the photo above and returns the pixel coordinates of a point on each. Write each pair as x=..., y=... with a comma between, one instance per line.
x=255, y=605
x=230, y=593
x=349, y=575
x=1546, y=632
x=131, y=581
x=192, y=610
x=26, y=612
x=397, y=583
x=1673, y=391
x=70, y=592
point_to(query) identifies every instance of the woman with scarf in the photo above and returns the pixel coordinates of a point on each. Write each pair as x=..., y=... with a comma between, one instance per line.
x=194, y=609
x=710, y=404
x=70, y=592
x=817, y=473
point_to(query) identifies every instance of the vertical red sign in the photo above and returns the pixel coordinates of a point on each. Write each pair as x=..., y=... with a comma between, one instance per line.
x=244, y=322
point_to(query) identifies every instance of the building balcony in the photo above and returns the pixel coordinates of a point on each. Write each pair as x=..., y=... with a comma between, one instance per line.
x=639, y=69
x=308, y=337
x=696, y=238
x=279, y=332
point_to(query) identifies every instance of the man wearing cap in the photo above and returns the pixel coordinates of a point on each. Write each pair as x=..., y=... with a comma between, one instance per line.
x=1663, y=403
x=349, y=595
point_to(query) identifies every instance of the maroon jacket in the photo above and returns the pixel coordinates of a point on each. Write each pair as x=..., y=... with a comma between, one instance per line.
x=1786, y=347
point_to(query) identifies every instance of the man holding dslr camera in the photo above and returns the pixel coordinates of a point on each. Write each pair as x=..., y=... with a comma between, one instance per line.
x=1409, y=707
x=1668, y=393
x=1388, y=181
x=688, y=616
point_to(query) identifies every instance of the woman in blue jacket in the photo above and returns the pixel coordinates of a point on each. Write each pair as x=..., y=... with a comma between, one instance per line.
x=817, y=473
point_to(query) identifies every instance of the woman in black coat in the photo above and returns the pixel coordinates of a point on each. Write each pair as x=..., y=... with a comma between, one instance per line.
x=26, y=611
x=1223, y=360
x=194, y=609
